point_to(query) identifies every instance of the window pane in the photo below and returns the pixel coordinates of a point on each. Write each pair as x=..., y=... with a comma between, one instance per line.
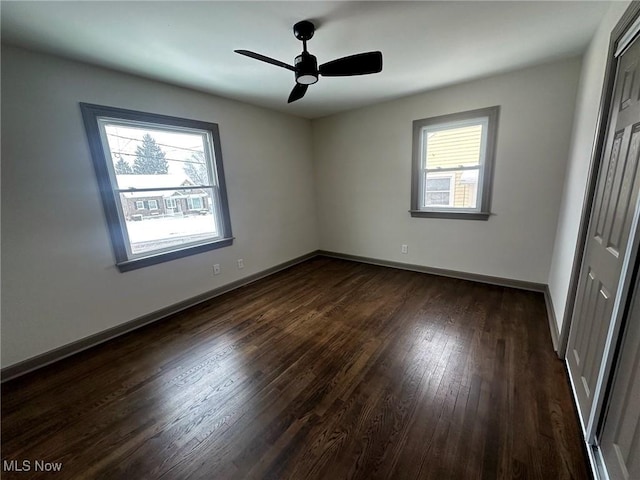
x=180, y=217
x=437, y=198
x=437, y=190
x=453, y=147
x=466, y=189
x=146, y=157
x=455, y=189
x=438, y=184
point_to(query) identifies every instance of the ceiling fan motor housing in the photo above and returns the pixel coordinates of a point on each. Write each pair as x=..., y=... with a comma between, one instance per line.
x=306, y=69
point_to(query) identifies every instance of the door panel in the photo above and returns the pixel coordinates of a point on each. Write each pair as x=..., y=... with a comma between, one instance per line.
x=608, y=187
x=620, y=440
x=625, y=192
x=608, y=235
x=594, y=347
x=589, y=286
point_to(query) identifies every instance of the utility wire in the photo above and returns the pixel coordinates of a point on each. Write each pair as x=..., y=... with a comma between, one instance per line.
x=162, y=144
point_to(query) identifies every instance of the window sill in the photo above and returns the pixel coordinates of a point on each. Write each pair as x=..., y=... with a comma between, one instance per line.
x=142, y=262
x=451, y=215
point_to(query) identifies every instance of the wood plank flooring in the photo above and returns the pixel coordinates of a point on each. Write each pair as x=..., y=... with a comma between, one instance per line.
x=328, y=370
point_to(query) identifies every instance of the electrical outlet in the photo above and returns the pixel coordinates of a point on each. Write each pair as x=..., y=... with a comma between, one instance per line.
x=404, y=249
x=240, y=263
x=216, y=269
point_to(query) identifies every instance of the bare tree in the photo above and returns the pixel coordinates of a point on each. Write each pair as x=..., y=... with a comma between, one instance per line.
x=196, y=169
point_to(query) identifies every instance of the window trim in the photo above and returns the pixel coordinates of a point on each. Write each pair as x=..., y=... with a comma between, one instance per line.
x=155, y=203
x=91, y=114
x=483, y=211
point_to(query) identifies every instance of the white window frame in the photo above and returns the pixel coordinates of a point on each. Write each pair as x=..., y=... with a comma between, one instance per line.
x=155, y=204
x=96, y=117
x=488, y=119
x=140, y=205
x=170, y=203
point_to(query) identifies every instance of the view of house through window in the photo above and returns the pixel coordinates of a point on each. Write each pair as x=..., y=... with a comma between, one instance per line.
x=453, y=158
x=452, y=163
x=162, y=184
x=165, y=186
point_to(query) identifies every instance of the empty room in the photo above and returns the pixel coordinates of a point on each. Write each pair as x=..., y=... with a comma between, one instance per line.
x=320, y=240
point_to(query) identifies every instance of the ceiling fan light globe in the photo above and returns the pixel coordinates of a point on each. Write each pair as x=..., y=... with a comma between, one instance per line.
x=307, y=79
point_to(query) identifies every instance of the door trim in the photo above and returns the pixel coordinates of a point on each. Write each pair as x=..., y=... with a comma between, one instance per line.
x=627, y=20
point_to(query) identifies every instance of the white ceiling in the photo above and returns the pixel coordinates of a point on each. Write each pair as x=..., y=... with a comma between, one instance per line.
x=425, y=44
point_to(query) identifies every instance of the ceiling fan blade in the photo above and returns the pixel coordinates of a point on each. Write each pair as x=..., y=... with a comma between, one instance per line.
x=359, y=64
x=297, y=93
x=263, y=58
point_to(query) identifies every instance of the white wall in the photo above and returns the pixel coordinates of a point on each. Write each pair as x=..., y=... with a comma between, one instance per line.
x=363, y=176
x=587, y=105
x=59, y=283
x=349, y=175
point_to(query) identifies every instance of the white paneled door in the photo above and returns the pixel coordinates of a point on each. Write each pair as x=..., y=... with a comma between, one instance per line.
x=608, y=236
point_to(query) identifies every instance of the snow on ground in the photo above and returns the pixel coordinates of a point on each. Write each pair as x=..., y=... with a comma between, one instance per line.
x=153, y=233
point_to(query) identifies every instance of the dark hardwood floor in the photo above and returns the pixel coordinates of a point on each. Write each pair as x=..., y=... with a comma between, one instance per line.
x=328, y=370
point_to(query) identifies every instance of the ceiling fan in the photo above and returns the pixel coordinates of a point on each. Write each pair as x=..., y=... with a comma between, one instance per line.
x=306, y=66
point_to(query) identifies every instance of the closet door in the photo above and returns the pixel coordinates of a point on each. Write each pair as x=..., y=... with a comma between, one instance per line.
x=620, y=439
x=608, y=235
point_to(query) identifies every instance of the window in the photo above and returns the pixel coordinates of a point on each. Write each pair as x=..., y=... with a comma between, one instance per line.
x=195, y=203
x=146, y=160
x=453, y=158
